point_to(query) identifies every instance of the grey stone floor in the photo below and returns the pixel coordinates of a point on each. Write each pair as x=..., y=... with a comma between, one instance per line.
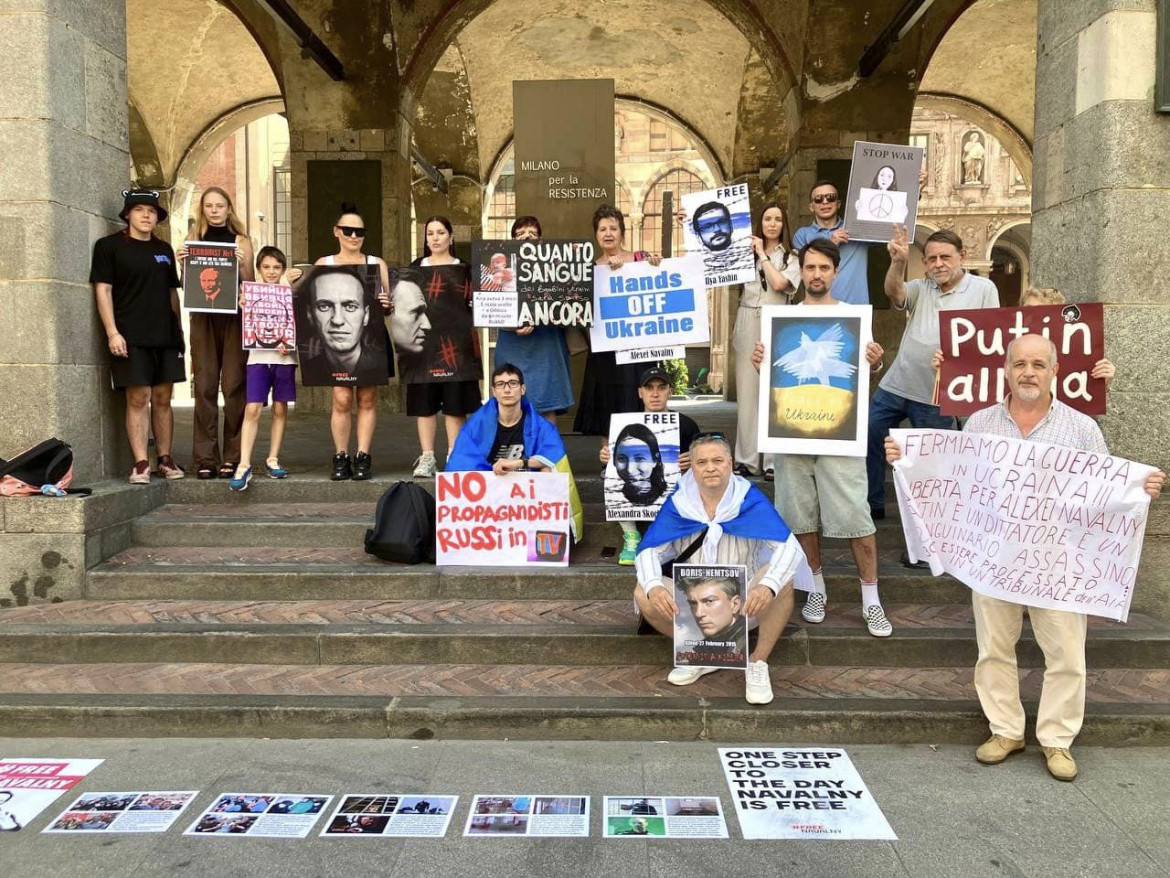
x=953, y=816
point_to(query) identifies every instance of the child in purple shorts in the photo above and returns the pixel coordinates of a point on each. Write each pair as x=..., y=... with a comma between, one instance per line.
x=267, y=372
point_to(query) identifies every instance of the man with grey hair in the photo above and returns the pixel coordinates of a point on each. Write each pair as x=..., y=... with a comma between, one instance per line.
x=1030, y=412
x=721, y=518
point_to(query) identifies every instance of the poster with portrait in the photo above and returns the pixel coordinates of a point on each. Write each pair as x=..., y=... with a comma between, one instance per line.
x=642, y=305
x=29, y=786
x=431, y=324
x=211, y=277
x=340, y=329
x=718, y=225
x=533, y=283
x=710, y=630
x=643, y=464
x=814, y=381
x=267, y=317
x=883, y=190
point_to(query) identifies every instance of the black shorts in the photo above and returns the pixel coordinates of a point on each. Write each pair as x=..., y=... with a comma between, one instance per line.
x=455, y=398
x=148, y=367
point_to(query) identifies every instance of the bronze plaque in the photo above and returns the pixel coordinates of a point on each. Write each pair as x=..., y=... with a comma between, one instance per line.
x=564, y=152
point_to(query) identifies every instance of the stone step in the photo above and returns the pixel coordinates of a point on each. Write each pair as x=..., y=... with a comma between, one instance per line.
x=836, y=705
x=449, y=632
x=259, y=573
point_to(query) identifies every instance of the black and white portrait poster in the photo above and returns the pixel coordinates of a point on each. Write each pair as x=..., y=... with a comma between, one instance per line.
x=533, y=283
x=710, y=630
x=431, y=324
x=211, y=277
x=718, y=224
x=643, y=464
x=883, y=190
x=340, y=331
x=29, y=786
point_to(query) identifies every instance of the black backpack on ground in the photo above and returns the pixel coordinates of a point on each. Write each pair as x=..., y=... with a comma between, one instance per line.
x=404, y=525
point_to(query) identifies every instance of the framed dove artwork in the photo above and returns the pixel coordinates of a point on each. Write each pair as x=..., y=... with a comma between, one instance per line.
x=814, y=381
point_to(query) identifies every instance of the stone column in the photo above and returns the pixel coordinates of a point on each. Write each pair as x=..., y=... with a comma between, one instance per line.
x=65, y=141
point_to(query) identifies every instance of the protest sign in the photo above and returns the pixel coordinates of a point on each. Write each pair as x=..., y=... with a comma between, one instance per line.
x=718, y=226
x=485, y=520
x=664, y=817
x=123, y=812
x=642, y=305
x=341, y=336
x=267, y=317
x=1027, y=522
x=391, y=815
x=261, y=815
x=974, y=346
x=814, y=382
x=211, y=277
x=712, y=632
x=431, y=324
x=643, y=464
x=883, y=190
x=533, y=283
x=786, y=792
x=650, y=355
x=29, y=786
x=529, y=816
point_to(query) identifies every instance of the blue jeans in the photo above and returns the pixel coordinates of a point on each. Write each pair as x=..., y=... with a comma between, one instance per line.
x=887, y=410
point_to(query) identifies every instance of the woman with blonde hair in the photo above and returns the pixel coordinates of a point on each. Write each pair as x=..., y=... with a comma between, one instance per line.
x=217, y=349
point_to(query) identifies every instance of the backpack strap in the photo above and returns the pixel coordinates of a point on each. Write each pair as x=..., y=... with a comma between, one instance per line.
x=690, y=550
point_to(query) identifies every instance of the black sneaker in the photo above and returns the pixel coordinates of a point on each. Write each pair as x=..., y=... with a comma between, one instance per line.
x=877, y=513
x=911, y=565
x=341, y=468
x=361, y=466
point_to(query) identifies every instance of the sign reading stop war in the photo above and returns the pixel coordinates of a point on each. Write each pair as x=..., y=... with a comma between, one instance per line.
x=974, y=344
x=1027, y=522
x=520, y=519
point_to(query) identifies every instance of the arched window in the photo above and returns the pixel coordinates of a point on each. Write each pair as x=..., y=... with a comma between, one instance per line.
x=502, y=209
x=680, y=182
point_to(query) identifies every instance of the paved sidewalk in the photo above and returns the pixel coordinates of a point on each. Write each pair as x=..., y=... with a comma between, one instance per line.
x=953, y=816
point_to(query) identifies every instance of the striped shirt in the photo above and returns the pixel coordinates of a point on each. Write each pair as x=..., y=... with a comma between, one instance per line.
x=1061, y=425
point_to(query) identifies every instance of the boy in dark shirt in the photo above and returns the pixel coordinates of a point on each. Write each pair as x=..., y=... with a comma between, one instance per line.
x=136, y=286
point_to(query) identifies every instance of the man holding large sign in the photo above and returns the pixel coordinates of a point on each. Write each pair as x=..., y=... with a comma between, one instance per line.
x=1027, y=527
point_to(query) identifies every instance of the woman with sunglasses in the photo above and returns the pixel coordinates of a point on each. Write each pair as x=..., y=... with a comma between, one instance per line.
x=217, y=349
x=778, y=273
x=455, y=399
x=350, y=232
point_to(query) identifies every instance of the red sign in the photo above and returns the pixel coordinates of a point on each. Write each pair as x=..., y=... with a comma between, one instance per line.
x=974, y=344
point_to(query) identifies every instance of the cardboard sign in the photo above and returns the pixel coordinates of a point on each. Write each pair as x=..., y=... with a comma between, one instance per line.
x=1027, y=522
x=485, y=520
x=641, y=305
x=788, y=792
x=710, y=630
x=974, y=346
x=883, y=190
x=528, y=816
x=643, y=464
x=29, y=786
x=211, y=277
x=533, y=283
x=814, y=381
x=341, y=336
x=267, y=317
x=718, y=226
x=431, y=324
x=664, y=817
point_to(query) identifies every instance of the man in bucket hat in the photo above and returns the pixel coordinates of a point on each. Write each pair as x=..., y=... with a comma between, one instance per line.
x=136, y=285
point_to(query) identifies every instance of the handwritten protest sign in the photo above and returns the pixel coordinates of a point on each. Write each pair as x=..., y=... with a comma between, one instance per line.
x=718, y=226
x=487, y=520
x=642, y=305
x=1027, y=522
x=974, y=344
x=533, y=283
x=267, y=317
x=784, y=792
x=211, y=276
x=883, y=190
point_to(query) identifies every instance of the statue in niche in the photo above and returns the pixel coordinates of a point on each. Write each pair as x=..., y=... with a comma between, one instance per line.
x=974, y=153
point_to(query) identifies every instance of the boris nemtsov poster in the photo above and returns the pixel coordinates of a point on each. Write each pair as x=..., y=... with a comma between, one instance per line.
x=883, y=190
x=643, y=464
x=710, y=630
x=717, y=225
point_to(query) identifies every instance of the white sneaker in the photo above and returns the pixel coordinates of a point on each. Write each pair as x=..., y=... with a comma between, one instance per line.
x=814, y=607
x=686, y=676
x=876, y=621
x=424, y=467
x=759, y=683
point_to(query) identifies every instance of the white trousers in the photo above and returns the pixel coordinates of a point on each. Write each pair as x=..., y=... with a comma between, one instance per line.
x=747, y=389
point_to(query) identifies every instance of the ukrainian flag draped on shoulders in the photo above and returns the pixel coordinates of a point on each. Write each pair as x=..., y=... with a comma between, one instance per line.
x=542, y=443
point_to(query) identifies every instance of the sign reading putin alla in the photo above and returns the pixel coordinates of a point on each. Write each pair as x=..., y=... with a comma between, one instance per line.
x=642, y=305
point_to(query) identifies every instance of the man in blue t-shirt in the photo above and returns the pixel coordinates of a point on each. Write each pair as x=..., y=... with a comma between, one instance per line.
x=851, y=285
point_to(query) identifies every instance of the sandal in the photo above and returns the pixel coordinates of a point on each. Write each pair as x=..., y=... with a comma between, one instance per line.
x=227, y=470
x=205, y=472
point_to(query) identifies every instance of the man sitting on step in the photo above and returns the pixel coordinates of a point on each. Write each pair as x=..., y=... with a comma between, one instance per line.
x=721, y=518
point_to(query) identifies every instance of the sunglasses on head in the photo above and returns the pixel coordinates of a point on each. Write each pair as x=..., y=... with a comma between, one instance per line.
x=830, y=198
x=351, y=231
x=704, y=436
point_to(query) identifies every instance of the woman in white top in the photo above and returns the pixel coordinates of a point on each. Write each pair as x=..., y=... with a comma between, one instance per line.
x=778, y=270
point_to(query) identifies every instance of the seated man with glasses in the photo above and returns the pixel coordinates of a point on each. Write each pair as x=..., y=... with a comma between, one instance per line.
x=507, y=435
x=717, y=517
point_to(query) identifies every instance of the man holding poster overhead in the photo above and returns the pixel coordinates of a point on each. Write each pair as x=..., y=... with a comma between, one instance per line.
x=1030, y=413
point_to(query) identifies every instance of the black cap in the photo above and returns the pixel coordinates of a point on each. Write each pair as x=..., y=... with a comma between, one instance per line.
x=141, y=196
x=654, y=374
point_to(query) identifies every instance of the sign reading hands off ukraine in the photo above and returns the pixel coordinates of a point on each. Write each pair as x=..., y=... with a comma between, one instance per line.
x=641, y=305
